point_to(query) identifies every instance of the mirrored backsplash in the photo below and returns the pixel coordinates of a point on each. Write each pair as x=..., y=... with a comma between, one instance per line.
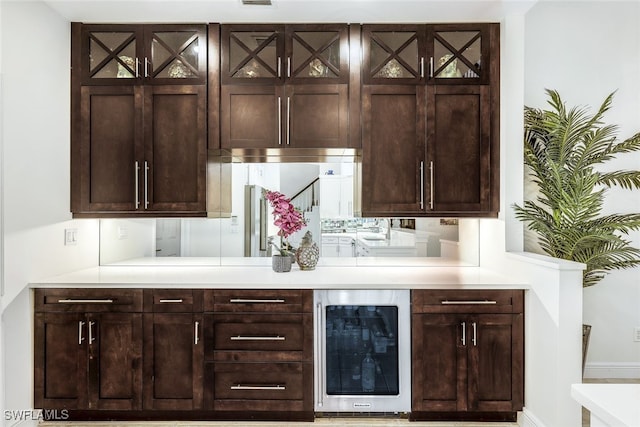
x=247, y=235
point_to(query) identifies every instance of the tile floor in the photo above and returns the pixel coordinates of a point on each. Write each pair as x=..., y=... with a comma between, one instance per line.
x=319, y=422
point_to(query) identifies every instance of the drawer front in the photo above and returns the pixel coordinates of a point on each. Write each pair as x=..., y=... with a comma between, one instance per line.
x=88, y=300
x=468, y=301
x=258, y=381
x=259, y=301
x=173, y=300
x=272, y=336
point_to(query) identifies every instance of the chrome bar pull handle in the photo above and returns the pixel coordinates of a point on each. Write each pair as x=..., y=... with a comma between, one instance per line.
x=279, y=121
x=279, y=67
x=136, y=183
x=257, y=338
x=146, y=67
x=146, y=184
x=91, y=337
x=431, y=67
x=288, y=120
x=137, y=68
x=320, y=334
x=475, y=334
x=464, y=333
x=422, y=67
x=288, y=66
x=80, y=337
x=258, y=387
x=85, y=301
x=431, y=189
x=171, y=301
x=468, y=302
x=422, y=185
x=196, y=328
x=256, y=301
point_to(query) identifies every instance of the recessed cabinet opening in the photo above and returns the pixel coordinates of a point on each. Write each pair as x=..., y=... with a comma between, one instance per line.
x=240, y=229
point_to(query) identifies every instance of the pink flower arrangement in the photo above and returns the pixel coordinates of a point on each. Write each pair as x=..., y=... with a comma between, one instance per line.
x=288, y=218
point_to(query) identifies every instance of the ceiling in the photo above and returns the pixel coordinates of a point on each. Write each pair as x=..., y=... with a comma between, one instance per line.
x=228, y=11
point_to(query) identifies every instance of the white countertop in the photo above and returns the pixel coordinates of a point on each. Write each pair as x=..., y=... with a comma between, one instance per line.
x=615, y=405
x=412, y=274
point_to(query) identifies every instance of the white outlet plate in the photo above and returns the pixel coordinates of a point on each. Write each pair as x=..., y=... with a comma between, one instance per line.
x=70, y=236
x=636, y=334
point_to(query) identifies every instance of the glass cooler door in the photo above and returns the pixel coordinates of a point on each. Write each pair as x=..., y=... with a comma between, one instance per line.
x=361, y=350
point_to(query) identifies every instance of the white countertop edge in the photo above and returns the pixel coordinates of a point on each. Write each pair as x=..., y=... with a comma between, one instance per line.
x=546, y=261
x=614, y=404
x=379, y=277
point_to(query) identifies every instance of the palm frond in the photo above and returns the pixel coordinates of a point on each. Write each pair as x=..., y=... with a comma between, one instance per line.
x=562, y=147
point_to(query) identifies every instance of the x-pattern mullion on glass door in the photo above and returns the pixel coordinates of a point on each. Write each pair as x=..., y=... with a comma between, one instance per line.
x=112, y=54
x=175, y=54
x=253, y=54
x=316, y=54
x=394, y=54
x=457, y=53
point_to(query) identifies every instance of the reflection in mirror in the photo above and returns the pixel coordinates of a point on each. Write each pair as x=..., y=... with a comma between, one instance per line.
x=243, y=231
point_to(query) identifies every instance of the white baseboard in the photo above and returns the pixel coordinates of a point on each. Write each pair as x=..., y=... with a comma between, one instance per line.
x=623, y=370
x=527, y=419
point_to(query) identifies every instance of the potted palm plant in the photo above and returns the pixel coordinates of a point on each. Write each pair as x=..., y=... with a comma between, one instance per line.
x=563, y=151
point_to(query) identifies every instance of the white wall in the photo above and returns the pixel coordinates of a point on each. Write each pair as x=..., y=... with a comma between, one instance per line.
x=586, y=50
x=35, y=165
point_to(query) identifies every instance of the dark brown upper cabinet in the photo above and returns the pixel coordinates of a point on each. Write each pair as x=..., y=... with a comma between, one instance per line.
x=285, y=86
x=144, y=54
x=426, y=54
x=430, y=120
x=139, y=120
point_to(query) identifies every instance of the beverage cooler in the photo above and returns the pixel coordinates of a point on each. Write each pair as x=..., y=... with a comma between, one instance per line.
x=363, y=351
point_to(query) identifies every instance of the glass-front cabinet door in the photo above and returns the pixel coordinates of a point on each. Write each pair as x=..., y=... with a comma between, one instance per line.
x=275, y=54
x=149, y=54
x=393, y=54
x=317, y=53
x=175, y=53
x=458, y=53
x=252, y=54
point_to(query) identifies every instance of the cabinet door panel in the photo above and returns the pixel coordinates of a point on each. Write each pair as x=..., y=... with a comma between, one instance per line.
x=175, y=54
x=111, y=54
x=250, y=117
x=439, y=363
x=173, y=362
x=393, y=149
x=111, y=137
x=317, y=116
x=317, y=53
x=459, y=149
x=60, y=375
x=175, y=131
x=115, y=361
x=494, y=371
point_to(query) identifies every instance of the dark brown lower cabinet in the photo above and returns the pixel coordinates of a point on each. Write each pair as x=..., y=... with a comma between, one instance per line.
x=88, y=361
x=468, y=361
x=161, y=354
x=173, y=361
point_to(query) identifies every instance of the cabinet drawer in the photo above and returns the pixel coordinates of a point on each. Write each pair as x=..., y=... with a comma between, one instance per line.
x=261, y=301
x=173, y=300
x=266, y=335
x=258, y=381
x=88, y=300
x=467, y=301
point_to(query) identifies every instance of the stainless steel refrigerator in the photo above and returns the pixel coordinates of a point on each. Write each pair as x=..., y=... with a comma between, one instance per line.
x=255, y=222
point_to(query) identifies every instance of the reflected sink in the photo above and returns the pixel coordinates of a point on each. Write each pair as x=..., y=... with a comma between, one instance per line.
x=374, y=238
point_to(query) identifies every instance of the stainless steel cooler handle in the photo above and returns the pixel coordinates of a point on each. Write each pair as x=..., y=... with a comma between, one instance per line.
x=255, y=301
x=319, y=351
